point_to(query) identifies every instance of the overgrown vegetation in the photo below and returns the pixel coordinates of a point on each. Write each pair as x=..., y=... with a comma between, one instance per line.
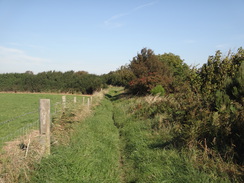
x=202, y=108
x=148, y=154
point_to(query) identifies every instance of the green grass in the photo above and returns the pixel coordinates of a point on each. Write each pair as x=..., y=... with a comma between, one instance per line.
x=92, y=156
x=15, y=119
x=114, y=146
x=145, y=158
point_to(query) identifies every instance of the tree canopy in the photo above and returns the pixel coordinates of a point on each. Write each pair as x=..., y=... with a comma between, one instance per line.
x=52, y=81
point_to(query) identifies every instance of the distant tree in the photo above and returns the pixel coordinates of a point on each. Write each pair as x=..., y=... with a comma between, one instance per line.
x=29, y=72
x=178, y=70
x=52, y=81
x=149, y=71
x=120, y=77
x=81, y=72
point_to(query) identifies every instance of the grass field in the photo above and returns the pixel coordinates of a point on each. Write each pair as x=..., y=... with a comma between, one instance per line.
x=20, y=112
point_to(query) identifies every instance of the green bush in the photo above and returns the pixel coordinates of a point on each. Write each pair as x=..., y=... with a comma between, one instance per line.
x=158, y=90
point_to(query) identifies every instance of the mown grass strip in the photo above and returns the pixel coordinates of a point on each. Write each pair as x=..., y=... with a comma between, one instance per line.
x=92, y=156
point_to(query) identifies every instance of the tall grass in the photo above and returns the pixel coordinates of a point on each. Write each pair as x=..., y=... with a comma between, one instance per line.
x=91, y=156
x=148, y=158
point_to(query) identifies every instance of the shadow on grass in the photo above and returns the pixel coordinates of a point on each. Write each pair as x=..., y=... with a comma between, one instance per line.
x=158, y=145
x=115, y=97
x=173, y=143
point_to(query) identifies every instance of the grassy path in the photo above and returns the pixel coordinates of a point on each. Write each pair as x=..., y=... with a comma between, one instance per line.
x=92, y=156
x=113, y=146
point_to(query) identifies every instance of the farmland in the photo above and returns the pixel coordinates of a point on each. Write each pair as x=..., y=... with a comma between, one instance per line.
x=19, y=112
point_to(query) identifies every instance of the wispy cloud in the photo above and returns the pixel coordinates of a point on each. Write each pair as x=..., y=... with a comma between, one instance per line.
x=24, y=45
x=113, y=22
x=144, y=5
x=11, y=58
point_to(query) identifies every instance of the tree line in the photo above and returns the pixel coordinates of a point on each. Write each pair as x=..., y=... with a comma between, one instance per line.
x=51, y=81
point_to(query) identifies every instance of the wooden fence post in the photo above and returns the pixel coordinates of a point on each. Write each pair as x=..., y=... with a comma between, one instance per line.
x=45, y=119
x=64, y=102
x=88, y=102
x=74, y=99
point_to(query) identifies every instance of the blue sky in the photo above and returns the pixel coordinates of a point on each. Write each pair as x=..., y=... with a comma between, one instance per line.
x=100, y=36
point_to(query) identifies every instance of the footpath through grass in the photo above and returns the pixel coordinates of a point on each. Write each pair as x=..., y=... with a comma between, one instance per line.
x=113, y=146
x=92, y=155
x=145, y=157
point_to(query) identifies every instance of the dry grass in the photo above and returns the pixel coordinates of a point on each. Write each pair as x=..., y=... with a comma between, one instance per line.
x=18, y=156
x=63, y=126
x=99, y=95
x=150, y=99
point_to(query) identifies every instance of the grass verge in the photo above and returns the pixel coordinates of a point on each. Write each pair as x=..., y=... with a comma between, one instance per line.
x=91, y=156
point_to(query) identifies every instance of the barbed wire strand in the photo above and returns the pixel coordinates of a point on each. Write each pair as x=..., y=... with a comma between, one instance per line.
x=29, y=125
x=17, y=117
x=21, y=131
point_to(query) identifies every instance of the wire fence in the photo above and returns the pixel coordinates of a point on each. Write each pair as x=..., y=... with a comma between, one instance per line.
x=18, y=126
x=20, y=131
x=22, y=124
x=17, y=117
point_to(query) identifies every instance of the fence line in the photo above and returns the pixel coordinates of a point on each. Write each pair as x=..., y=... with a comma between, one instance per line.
x=58, y=107
x=20, y=131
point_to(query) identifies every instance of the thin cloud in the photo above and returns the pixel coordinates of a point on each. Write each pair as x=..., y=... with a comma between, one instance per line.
x=11, y=58
x=5, y=51
x=112, y=21
x=144, y=5
x=15, y=55
x=24, y=45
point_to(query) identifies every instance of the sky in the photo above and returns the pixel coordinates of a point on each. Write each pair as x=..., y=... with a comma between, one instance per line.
x=99, y=36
